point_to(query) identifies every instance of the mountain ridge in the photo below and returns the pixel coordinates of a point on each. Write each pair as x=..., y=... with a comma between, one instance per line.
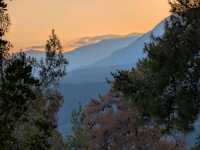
x=89, y=54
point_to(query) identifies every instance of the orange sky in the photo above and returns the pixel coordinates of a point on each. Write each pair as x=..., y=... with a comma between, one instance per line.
x=32, y=20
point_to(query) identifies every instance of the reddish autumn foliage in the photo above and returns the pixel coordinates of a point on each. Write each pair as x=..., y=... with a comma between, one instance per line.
x=112, y=125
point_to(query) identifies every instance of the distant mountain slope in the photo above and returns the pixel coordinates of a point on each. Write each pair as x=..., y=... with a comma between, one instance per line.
x=86, y=82
x=91, y=53
x=112, y=51
x=87, y=55
x=84, y=41
x=74, y=95
x=92, y=74
x=35, y=53
x=90, y=66
x=124, y=58
x=134, y=51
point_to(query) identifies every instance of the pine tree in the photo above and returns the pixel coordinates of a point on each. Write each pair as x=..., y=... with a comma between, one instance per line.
x=4, y=25
x=51, y=72
x=54, y=66
x=28, y=109
x=79, y=137
x=165, y=85
x=16, y=96
x=28, y=104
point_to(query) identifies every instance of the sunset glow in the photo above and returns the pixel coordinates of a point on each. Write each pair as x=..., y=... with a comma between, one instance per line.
x=33, y=20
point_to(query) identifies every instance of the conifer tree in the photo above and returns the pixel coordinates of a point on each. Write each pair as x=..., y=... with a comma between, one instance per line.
x=54, y=66
x=165, y=85
x=16, y=97
x=79, y=138
x=29, y=104
x=51, y=72
x=4, y=25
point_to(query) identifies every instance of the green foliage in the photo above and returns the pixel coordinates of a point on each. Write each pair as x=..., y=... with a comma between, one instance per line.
x=180, y=6
x=43, y=134
x=165, y=85
x=27, y=113
x=197, y=145
x=54, y=66
x=17, y=95
x=29, y=105
x=4, y=25
x=78, y=139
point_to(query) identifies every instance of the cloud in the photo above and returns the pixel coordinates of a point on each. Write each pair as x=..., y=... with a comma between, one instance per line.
x=36, y=47
x=73, y=44
x=87, y=40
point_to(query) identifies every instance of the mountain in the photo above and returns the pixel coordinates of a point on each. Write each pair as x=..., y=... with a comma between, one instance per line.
x=74, y=95
x=101, y=47
x=88, y=81
x=89, y=54
x=35, y=53
x=133, y=52
x=124, y=58
x=91, y=64
x=84, y=41
x=92, y=74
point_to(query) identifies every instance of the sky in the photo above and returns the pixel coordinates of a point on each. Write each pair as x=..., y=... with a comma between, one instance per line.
x=32, y=20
